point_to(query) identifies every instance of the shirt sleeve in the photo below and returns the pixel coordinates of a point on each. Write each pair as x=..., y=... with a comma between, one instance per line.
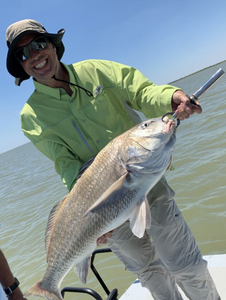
x=67, y=164
x=142, y=94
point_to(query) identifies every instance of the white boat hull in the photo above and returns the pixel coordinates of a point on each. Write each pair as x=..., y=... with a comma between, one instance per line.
x=216, y=266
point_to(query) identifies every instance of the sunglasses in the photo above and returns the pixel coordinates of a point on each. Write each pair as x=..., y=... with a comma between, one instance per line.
x=38, y=44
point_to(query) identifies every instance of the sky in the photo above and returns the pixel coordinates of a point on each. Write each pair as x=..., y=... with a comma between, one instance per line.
x=165, y=40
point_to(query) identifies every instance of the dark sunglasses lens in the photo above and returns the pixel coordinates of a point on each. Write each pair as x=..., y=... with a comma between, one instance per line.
x=22, y=54
x=38, y=44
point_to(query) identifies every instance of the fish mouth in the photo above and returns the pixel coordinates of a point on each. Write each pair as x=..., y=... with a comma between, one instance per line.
x=170, y=125
x=170, y=130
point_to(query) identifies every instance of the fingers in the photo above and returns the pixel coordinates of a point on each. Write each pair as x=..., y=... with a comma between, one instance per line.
x=183, y=106
x=104, y=238
x=186, y=109
x=101, y=240
x=183, y=111
x=197, y=108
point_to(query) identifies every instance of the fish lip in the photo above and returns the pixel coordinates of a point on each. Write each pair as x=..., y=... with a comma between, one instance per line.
x=170, y=124
x=166, y=119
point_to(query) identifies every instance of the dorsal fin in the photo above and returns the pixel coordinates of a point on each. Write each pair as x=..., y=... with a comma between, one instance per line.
x=53, y=216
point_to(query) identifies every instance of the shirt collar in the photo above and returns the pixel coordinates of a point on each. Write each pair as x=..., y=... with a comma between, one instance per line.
x=54, y=92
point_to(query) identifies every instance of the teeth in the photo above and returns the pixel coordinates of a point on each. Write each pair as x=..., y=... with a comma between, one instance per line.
x=41, y=65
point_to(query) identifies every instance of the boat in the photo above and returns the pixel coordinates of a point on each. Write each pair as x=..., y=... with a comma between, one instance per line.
x=216, y=266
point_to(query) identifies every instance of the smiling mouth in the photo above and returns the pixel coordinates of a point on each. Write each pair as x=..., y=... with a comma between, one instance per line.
x=41, y=65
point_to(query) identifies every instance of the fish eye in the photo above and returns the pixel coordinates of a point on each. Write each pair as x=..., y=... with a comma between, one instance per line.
x=147, y=124
x=144, y=125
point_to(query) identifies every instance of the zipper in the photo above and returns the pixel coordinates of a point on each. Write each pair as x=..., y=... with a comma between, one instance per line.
x=82, y=137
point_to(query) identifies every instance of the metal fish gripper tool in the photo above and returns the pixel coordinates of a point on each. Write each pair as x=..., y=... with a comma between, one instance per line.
x=198, y=94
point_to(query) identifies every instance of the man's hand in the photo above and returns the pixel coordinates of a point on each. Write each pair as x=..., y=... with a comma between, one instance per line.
x=103, y=239
x=182, y=106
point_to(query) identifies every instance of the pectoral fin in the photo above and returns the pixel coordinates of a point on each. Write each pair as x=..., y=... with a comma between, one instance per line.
x=140, y=219
x=82, y=269
x=108, y=195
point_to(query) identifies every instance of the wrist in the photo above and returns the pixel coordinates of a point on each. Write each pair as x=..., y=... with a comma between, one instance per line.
x=16, y=295
x=10, y=289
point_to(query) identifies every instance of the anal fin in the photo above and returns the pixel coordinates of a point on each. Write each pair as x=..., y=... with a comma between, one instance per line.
x=82, y=269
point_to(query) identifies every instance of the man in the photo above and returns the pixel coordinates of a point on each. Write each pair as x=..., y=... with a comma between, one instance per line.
x=73, y=113
x=9, y=284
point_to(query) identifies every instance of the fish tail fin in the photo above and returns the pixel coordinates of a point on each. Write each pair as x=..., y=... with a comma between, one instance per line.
x=38, y=291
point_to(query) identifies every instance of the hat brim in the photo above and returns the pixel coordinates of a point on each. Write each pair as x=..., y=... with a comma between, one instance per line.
x=13, y=65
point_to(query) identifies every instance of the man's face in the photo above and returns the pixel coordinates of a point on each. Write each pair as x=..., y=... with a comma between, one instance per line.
x=42, y=64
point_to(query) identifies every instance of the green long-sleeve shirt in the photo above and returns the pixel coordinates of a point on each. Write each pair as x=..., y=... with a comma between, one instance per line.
x=71, y=129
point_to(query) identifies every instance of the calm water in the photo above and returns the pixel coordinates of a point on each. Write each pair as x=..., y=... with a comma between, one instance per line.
x=29, y=188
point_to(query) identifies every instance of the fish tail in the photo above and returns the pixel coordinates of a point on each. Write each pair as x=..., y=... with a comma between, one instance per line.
x=38, y=291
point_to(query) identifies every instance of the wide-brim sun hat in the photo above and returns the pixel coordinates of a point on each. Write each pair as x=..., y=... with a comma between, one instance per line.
x=13, y=35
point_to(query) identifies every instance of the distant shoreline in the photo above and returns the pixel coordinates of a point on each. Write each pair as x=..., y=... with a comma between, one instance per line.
x=198, y=71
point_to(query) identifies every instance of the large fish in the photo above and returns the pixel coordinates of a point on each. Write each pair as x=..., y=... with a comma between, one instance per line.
x=112, y=190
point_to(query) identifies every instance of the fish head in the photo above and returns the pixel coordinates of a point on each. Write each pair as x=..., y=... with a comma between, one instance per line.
x=151, y=144
x=154, y=133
